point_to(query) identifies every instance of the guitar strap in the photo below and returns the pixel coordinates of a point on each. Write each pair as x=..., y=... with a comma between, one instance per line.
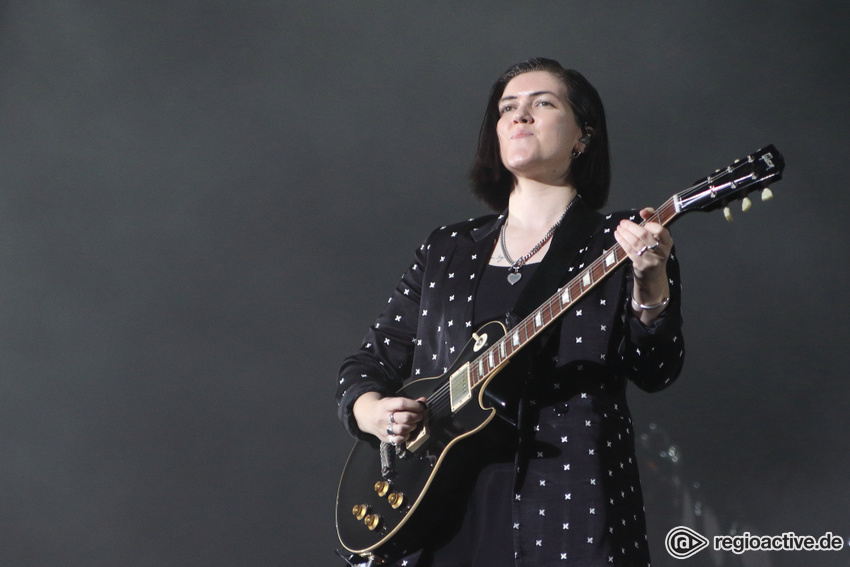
x=576, y=228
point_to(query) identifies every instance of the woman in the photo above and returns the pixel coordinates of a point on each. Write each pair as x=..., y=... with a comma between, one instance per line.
x=560, y=486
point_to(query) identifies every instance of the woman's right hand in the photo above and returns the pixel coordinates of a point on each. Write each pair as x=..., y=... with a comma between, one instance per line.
x=379, y=416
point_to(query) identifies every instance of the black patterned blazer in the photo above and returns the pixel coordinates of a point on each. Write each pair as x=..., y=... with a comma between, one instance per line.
x=577, y=491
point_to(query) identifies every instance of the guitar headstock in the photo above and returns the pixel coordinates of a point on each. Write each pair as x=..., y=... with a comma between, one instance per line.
x=735, y=182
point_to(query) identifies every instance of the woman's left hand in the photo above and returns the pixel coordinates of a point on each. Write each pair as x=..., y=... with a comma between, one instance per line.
x=648, y=247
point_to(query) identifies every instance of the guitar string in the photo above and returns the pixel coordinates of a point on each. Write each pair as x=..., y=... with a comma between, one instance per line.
x=711, y=179
x=439, y=400
x=441, y=397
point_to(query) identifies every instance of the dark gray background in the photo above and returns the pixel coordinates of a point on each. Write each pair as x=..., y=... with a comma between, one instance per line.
x=204, y=204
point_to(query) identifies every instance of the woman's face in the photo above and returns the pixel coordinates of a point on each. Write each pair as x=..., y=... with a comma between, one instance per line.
x=537, y=129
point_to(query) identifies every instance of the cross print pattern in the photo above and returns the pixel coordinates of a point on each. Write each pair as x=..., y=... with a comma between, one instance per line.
x=579, y=503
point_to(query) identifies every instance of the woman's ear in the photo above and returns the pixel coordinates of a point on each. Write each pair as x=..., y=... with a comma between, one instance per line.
x=587, y=134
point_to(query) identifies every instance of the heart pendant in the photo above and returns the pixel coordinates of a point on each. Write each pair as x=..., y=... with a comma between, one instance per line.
x=513, y=277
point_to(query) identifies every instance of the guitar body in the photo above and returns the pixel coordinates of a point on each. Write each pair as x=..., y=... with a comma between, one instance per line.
x=413, y=472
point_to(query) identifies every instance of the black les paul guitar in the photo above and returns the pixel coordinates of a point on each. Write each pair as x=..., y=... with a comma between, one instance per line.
x=388, y=495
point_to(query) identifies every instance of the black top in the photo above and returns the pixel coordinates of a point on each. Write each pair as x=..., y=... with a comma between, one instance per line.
x=496, y=296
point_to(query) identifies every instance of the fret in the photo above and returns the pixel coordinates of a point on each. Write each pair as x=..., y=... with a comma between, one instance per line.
x=548, y=307
x=502, y=349
x=522, y=332
x=490, y=359
x=586, y=279
x=565, y=295
x=667, y=211
x=597, y=271
x=538, y=319
x=481, y=367
x=515, y=337
x=577, y=291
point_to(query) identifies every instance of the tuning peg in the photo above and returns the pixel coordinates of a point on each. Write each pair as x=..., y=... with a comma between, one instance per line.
x=746, y=204
x=766, y=194
x=727, y=213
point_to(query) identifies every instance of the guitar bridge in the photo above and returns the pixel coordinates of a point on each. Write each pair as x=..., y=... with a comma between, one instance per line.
x=387, y=455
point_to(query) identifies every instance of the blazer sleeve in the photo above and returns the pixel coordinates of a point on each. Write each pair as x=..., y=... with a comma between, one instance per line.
x=653, y=355
x=385, y=357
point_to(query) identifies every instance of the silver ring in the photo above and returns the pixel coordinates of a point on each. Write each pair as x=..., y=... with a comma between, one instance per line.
x=390, y=430
x=654, y=246
x=642, y=250
x=392, y=419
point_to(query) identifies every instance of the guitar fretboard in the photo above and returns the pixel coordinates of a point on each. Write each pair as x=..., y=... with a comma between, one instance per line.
x=502, y=350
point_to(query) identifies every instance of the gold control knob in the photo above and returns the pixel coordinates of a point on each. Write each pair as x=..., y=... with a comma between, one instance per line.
x=382, y=487
x=372, y=521
x=359, y=511
x=396, y=499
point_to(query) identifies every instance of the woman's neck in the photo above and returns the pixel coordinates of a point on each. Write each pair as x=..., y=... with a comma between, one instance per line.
x=535, y=206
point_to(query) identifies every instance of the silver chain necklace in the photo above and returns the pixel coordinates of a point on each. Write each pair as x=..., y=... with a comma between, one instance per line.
x=513, y=272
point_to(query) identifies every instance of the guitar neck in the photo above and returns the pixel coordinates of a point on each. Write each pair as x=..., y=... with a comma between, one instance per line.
x=526, y=330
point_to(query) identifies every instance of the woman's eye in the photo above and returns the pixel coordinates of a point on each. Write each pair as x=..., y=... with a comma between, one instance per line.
x=505, y=109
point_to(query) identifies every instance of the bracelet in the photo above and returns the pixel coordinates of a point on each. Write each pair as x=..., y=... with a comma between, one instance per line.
x=636, y=305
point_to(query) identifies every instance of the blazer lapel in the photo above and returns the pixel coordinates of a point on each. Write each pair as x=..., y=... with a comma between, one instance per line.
x=569, y=238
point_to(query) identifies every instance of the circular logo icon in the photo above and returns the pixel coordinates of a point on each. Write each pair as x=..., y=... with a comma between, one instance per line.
x=683, y=542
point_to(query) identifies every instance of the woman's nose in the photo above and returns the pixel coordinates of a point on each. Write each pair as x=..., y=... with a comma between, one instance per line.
x=522, y=116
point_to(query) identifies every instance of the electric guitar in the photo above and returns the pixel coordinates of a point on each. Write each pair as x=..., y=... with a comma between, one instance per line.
x=389, y=495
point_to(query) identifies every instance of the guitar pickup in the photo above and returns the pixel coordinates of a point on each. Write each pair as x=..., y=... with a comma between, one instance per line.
x=459, y=387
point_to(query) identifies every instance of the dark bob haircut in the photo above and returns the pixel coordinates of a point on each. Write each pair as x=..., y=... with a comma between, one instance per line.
x=591, y=171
